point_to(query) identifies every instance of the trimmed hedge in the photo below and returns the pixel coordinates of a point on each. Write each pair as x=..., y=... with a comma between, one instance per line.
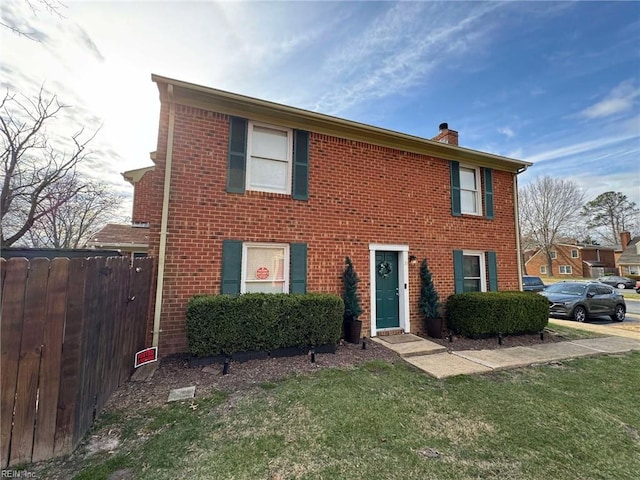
x=489, y=313
x=226, y=324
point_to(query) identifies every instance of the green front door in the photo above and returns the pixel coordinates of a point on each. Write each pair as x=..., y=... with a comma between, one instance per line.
x=387, y=295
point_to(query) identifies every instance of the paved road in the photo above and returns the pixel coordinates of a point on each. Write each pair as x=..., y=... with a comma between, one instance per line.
x=633, y=306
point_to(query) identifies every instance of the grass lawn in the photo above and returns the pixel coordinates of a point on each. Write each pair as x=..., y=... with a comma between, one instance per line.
x=578, y=419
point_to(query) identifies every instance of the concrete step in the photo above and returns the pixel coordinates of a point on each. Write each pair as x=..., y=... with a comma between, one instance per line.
x=408, y=345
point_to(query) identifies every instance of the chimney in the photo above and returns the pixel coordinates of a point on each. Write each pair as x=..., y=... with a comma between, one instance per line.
x=625, y=239
x=445, y=135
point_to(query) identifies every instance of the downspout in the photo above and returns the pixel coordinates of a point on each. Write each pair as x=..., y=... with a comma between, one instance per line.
x=165, y=219
x=517, y=217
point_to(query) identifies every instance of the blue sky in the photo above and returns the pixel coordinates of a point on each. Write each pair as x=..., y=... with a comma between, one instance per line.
x=553, y=83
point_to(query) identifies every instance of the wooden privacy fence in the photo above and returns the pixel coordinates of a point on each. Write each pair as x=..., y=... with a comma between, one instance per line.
x=70, y=329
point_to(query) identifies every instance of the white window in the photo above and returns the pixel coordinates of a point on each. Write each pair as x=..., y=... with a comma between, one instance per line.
x=470, y=198
x=633, y=270
x=269, y=158
x=565, y=270
x=474, y=272
x=553, y=255
x=574, y=253
x=265, y=268
x=543, y=269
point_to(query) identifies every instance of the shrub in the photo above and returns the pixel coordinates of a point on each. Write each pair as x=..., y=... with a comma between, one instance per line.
x=429, y=302
x=350, y=280
x=489, y=313
x=225, y=324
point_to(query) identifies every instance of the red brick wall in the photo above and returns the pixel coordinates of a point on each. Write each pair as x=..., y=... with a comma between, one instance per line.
x=142, y=198
x=359, y=194
x=563, y=258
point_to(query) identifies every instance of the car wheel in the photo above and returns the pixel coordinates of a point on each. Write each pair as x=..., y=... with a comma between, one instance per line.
x=618, y=315
x=580, y=314
x=621, y=286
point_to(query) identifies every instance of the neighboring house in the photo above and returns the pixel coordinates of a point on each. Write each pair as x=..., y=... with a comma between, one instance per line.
x=127, y=239
x=574, y=260
x=130, y=239
x=254, y=196
x=629, y=261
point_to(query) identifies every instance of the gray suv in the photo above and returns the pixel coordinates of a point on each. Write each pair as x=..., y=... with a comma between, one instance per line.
x=580, y=300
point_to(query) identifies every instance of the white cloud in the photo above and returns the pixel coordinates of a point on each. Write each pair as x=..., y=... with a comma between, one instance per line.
x=507, y=131
x=620, y=99
x=396, y=52
x=578, y=148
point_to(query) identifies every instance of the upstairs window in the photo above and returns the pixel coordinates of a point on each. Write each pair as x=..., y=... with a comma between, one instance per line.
x=553, y=254
x=574, y=253
x=470, y=191
x=269, y=159
x=468, y=186
x=266, y=158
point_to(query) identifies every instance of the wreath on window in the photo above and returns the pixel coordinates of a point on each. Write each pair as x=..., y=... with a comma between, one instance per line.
x=384, y=269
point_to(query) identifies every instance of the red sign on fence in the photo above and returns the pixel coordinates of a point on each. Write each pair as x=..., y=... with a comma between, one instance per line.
x=145, y=356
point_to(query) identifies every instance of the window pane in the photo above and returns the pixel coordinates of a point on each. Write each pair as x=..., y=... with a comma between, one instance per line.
x=269, y=174
x=468, y=201
x=265, y=264
x=265, y=287
x=467, y=179
x=471, y=266
x=471, y=285
x=269, y=143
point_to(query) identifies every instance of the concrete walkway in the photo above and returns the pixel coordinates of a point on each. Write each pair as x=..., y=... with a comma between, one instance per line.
x=435, y=360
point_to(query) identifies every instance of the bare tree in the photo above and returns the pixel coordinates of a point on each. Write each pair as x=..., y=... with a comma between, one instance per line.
x=610, y=214
x=71, y=224
x=12, y=19
x=33, y=171
x=549, y=209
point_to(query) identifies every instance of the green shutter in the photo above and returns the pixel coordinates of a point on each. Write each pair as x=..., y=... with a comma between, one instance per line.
x=237, y=162
x=298, y=268
x=231, y=266
x=488, y=193
x=492, y=267
x=456, y=209
x=458, y=271
x=301, y=165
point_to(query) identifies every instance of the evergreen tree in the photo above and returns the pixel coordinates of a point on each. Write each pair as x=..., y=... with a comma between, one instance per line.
x=429, y=302
x=350, y=280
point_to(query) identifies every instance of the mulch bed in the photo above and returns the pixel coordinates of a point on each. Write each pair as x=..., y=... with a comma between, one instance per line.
x=176, y=372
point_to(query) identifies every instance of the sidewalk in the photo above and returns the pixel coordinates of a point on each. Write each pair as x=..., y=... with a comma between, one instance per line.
x=435, y=360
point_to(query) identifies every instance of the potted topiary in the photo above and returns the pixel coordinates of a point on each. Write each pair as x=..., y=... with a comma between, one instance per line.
x=352, y=308
x=429, y=302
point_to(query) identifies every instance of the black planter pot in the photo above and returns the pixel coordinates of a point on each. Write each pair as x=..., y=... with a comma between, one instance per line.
x=352, y=330
x=435, y=327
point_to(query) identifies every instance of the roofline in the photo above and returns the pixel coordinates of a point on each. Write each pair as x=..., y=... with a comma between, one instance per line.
x=221, y=101
x=134, y=176
x=119, y=245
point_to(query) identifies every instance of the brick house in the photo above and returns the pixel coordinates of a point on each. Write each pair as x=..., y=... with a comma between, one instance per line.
x=573, y=260
x=629, y=261
x=250, y=195
x=132, y=239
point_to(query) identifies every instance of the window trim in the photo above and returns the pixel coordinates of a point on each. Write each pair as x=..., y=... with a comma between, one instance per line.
x=483, y=267
x=478, y=190
x=287, y=260
x=553, y=254
x=576, y=253
x=543, y=269
x=289, y=161
x=566, y=267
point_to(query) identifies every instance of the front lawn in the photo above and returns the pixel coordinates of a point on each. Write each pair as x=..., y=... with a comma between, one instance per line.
x=576, y=419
